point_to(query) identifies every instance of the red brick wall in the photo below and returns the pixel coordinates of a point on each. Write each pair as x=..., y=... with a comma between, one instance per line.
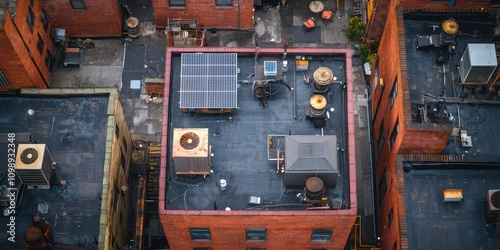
x=283, y=231
x=20, y=61
x=102, y=18
x=237, y=16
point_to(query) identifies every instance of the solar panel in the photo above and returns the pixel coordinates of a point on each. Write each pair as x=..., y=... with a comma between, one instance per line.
x=270, y=68
x=208, y=81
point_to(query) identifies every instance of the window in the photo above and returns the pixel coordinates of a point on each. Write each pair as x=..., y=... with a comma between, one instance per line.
x=177, y=3
x=390, y=218
x=395, y=246
x=48, y=59
x=394, y=92
x=223, y=2
x=381, y=138
x=256, y=234
x=200, y=234
x=116, y=201
x=394, y=133
x=78, y=4
x=32, y=2
x=39, y=44
x=45, y=21
x=30, y=18
x=117, y=131
x=382, y=187
x=122, y=160
x=125, y=145
x=321, y=234
x=3, y=80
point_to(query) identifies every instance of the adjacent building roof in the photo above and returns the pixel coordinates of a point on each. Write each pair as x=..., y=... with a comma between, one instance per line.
x=74, y=129
x=435, y=224
x=434, y=81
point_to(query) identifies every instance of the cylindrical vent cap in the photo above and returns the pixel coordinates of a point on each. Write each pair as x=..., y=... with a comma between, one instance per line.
x=314, y=185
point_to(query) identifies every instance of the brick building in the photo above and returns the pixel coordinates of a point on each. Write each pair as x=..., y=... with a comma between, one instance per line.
x=26, y=47
x=416, y=95
x=86, y=18
x=250, y=195
x=228, y=14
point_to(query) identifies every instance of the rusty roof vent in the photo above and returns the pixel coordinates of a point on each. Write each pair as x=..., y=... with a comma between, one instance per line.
x=450, y=27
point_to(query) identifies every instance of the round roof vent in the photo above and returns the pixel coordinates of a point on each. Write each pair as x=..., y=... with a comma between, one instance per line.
x=450, y=27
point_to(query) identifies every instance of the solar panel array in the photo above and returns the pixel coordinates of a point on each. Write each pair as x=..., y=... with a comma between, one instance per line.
x=208, y=81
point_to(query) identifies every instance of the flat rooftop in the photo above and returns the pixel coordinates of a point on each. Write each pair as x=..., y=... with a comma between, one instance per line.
x=74, y=130
x=434, y=224
x=434, y=81
x=239, y=140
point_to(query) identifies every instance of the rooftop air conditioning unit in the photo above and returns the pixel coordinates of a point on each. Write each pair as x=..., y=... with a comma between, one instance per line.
x=191, y=152
x=34, y=165
x=492, y=209
x=478, y=63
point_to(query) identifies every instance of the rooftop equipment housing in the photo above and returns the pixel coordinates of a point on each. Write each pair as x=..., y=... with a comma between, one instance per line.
x=191, y=151
x=310, y=156
x=34, y=165
x=478, y=63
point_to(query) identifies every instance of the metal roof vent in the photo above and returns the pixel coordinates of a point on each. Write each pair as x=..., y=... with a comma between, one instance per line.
x=34, y=165
x=191, y=151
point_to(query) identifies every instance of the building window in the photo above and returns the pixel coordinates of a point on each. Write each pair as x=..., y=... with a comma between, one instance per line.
x=177, y=3
x=116, y=201
x=382, y=187
x=394, y=133
x=48, y=59
x=30, y=18
x=390, y=218
x=395, y=246
x=77, y=4
x=321, y=234
x=45, y=21
x=256, y=234
x=381, y=138
x=223, y=2
x=122, y=160
x=117, y=131
x=3, y=80
x=394, y=92
x=200, y=234
x=39, y=44
x=125, y=145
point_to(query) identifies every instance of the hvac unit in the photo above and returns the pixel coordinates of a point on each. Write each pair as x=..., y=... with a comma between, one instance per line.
x=34, y=165
x=191, y=151
x=492, y=205
x=478, y=63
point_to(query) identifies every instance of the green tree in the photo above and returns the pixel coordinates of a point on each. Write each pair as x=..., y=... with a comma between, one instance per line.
x=356, y=29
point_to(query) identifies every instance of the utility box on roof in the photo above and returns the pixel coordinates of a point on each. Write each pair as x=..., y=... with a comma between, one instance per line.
x=478, y=63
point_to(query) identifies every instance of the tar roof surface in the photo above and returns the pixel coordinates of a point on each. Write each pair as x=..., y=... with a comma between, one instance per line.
x=240, y=147
x=433, y=224
x=73, y=212
x=477, y=112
